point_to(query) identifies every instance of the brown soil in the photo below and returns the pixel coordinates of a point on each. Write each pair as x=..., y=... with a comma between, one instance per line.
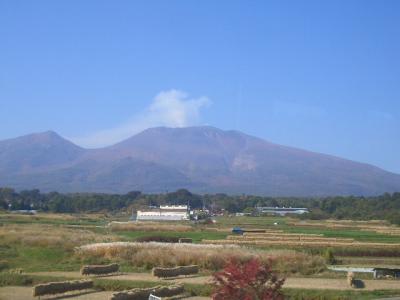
x=339, y=284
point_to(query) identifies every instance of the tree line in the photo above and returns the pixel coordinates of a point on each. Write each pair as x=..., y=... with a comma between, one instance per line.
x=386, y=206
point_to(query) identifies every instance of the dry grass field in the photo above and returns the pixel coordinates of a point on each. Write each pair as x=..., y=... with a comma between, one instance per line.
x=303, y=240
x=207, y=256
x=45, y=235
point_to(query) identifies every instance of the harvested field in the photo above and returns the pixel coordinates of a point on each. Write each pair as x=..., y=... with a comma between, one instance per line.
x=293, y=238
x=282, y=237
x=272, y=233
x=378, y=226
x=389, y=231
x=305, y=243
x=251, y=232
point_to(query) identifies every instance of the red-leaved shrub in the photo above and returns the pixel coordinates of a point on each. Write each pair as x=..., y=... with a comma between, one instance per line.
x=249, y=280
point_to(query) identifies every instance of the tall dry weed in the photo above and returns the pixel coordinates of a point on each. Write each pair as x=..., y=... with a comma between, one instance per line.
x=208, y=257
x=42, y=235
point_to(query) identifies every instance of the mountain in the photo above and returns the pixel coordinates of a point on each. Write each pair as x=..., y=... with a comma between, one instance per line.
x=33, y=152
x=202, y=159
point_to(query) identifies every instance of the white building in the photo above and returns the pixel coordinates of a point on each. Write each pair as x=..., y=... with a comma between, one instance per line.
x=282, y=210
x=164, y=213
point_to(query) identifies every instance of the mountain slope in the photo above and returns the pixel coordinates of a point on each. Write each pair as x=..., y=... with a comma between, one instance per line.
x=202, y=159
x=231, y=161
x=37, y=151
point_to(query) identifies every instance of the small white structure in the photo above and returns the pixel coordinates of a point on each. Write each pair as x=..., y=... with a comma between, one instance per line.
x=282, y=210
x=164, y=213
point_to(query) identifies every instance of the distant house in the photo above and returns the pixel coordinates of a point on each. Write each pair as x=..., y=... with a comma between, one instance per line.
x=24, y=211
x=164, y=213
x=282, y=210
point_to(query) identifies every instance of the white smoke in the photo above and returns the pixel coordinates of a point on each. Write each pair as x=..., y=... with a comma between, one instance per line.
x=171, y=108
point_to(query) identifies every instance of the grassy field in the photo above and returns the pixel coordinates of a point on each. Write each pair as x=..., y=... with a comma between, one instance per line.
x=358, y=235
x=196, y=236
x=33, y=259
x=55, y=219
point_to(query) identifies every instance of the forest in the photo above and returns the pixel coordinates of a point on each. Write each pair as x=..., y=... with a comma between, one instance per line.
x=385, y=207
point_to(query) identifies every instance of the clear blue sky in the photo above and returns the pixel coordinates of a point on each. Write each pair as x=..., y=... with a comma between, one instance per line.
x=319, y=75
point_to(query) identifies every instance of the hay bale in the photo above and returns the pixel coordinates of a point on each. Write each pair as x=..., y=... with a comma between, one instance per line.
x=189, y=270
x=185, y=240
x=165, y=272
x=175, y=271
x=140, y=294
x=52, y=288
x=169, y=291
x=99, y=269
x=135, y=294
x=350, y=279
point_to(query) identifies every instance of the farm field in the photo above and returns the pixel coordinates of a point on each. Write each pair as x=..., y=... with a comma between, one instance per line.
x=48, y=246
x=359, y=231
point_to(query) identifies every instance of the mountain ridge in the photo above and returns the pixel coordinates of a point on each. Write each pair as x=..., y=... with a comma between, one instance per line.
x=204, y=159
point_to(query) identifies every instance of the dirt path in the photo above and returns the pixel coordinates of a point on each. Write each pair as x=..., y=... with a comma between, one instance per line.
x=132, y=276
x=339, y=284
x=25, y=293
x=295, y=282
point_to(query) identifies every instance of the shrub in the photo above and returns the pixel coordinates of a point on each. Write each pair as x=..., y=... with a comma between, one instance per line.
x=247, y=281
x=185, y=240
x=329, y=257
x=3, y=265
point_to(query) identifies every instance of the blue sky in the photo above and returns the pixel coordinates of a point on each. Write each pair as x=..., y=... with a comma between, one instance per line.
x=319, y=75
